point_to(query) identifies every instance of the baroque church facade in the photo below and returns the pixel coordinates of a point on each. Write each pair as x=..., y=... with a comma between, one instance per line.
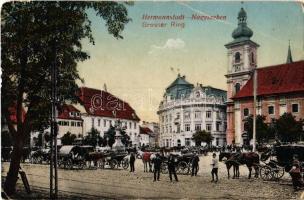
x=186, y=109
x=280, y=88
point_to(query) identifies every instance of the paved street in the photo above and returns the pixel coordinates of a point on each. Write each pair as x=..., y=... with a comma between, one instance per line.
x=122, y=184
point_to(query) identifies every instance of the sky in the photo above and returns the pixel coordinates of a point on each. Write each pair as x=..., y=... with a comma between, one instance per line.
x=139, y=67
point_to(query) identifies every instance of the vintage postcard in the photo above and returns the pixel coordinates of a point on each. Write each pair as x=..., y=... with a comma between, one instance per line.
x=152, y=100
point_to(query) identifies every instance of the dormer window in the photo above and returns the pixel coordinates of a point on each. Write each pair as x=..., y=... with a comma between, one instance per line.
x=71, y=114
x=237, y=57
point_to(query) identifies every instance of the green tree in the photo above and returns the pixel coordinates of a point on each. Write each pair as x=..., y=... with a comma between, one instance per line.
x=36, y=35
x=93, y=137
x=68, y=138
x=288, y=128
x=202, y=136
x=263, y=133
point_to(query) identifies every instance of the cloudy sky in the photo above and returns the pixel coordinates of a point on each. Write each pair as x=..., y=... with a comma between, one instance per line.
x=139, y=67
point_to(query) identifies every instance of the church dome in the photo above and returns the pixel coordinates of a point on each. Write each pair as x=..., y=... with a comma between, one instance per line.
x=242, y=31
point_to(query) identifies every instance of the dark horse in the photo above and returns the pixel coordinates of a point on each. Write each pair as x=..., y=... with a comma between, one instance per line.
x=250, y=159
x=230, y=163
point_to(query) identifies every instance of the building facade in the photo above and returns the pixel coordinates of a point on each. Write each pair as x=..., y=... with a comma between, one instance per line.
x=147, y=137
x=186, y=109
x=100, y=109
x=69, y=120
x=154, y=127
x=280, y=88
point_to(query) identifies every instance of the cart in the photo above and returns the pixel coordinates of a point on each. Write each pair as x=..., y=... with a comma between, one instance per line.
x=281, y=160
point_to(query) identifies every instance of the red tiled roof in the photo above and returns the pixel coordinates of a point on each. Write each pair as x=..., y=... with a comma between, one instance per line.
x=278, y=79
x=145, y=130
x=101, y=103
x=65, y=110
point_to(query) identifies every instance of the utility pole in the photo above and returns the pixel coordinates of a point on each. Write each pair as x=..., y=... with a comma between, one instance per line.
x=54, y=130
x=254, y=107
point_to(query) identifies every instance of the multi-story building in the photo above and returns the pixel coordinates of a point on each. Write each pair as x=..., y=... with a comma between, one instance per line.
x=186, y=109
x=280, y=88
x=100, y=109
x=69, y=120
x=154, y=127
x=147, y=137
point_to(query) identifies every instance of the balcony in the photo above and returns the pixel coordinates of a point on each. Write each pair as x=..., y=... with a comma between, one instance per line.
x=187, y=102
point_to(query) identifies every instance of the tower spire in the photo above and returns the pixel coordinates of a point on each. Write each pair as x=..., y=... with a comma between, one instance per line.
x=289, y=57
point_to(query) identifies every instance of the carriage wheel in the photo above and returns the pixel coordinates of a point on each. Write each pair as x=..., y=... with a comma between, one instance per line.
x=113, y=164
x=68, y=164
x=125, y=164
x=164, y=168
x=82, y=164
x=266, y=173
x=37, y=160
x=278, y=172
x=183, y=167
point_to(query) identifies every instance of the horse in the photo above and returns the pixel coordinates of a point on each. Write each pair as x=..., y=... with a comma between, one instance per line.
x=250, y=159
x=230, y=163
x=98, y=158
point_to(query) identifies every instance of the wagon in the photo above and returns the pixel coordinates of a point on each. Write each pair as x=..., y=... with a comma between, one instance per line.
x=71, y=156
x=40, y=155
x=116, y=159
x=183, y=163
x=281, y=160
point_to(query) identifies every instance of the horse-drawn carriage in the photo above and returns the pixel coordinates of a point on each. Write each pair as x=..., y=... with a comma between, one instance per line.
x=280, y=161
x=116, y=159
x=183, y=163
x=40, y=155
x=71, y=156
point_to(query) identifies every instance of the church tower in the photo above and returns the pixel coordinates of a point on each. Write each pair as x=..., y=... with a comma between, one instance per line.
x=242, y=60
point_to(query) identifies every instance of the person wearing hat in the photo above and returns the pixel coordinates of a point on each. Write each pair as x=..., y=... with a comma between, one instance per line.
x=214, y=165
x=295, y=173
x=171, y=167
x=157, y=164
x=195, y=161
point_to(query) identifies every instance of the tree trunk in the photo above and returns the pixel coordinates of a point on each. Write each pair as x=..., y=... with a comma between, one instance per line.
x=12, y=175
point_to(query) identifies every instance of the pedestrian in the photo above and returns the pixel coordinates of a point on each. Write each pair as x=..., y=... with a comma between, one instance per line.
x=214, y=170
x=295, y=173
x=132, y=162
x=195, y=161
x=157, y=164
x=171, y=167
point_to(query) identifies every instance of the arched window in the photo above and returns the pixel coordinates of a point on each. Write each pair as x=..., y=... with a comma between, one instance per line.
x=237, y=87
x=237, y=57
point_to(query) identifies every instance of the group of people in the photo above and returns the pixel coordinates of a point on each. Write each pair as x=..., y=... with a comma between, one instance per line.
x=157, y=160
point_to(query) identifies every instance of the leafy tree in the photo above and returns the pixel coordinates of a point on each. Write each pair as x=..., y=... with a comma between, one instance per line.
x=36, y=35
x=68, y=138
x=110, y=134
x=202, y=136
x=288, y=128
x=263, y=133
x=93, y=137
